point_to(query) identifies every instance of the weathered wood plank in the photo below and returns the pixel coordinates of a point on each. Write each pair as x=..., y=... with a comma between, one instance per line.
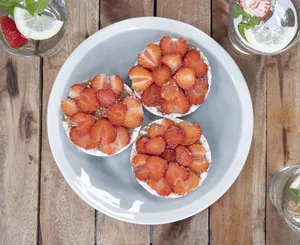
x=64, y=217
x=19, y=149
x=239, y=216
x=195, y=229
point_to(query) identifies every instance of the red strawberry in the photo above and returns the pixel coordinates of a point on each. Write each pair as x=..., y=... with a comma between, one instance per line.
x=75, y=90
x=157, y=167
x=167, y=123
x=122, y=140
x=134, y=115
x=192, y=132
x=161, y=75
x=193, y=60
x=183, y=156
x=69, y=107
x=100, y=82
x=257, y=8
x=155, y=146
x=139, y=160
x=169, y=155
x=185, y=78
x=116, y=113
x=141, y=78
x=11, y=33
x=106, y=97
x=103, y=130
x=142, y=173
x=84, y=141
x=150, y=58
x=151, y=97
x=169, y=90
x=161, y=187
x=169, y=46
x=199, y=164
x=83, y=122
x=156, y=130
x=173, y=61
x=179, y=104
x=176, y=172
x=185, y=187
x=196, y=96
x=174, y=136
x=87, y=101
x=140, y=144
x=117, y=84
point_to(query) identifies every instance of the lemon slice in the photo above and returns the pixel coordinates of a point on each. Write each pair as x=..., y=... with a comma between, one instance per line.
x=37, y=27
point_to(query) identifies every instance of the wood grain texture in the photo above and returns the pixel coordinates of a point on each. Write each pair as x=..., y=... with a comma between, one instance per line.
x=193, y=230
x=19, y=149
x=64, y=218
x=283, y=135
x=239, y=216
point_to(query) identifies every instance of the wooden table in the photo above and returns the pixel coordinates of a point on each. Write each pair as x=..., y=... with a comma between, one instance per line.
x=38, y=207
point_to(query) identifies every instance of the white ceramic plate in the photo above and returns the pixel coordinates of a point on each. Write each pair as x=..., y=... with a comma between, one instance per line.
x=108, y=184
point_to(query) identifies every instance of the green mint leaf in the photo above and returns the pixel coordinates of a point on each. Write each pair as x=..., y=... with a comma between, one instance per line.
x=40, y=6
x=30, y=9
x=9, y=8
x=237, y=10
x=29, y=2
x=253, y=22
x=295, y=193
x=246, y=16
x=242, y=27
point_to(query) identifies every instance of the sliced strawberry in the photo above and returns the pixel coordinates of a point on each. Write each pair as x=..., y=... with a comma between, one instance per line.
x=75, y=90
x=69, y=107
x=100, y=82
x=139, y=160
x=196, y=96
x=174, y=136
x=106, y=97
x=185, y=187
x=179, y=104
x=161, y=187
x=150, y=58
x=169, y=46
x=140, y=145
x=155, y=146
x=134, y=115
x=122, y=140
x=173, y=61
x=116, y=113
x=103, y=130
x=11, y=33
x=141, y=78
x=161, y=75
x=193, y=60
x=198, y=151
x=176, y=172
x=183, y=156
x=257, y=8
x=151, y=97
x=83, y=122
x=185, y=78
x=87, y=101
x=192, y=132
x=167, y=123
x=157, y=166
x=117, y=84
x=142, y=173
x=169, y=155
x=84, y=141
x=156, y=130
x=199, y=164
x=169, y=90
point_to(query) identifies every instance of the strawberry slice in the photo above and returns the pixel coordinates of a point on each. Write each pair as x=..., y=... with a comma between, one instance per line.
x=142, y=173
x=75, y=90
x=173, y=61
x=156, y=130
x=84, y=141
x=155, y=146
x=186, y=78
x=192, y=132
x=106, y=97
x=139, y=160
x=161, y=187
x=185, y=187
x=151, y=97
x=176, y=172
x=150, y=58
x=199, y=164
x=116, y=113
x=100, y=82
x=179, y=104
x=169, y=46
x=134, y=115
x=183, y=156
x=161, y=75
x=87, y=101
x=141, y=78
x=122, y=140
x=169, y=155
x=169, y=90
x=167, y=123
x=157, y=167
x=69, y=107
x=193, y=60
x=196, y=96
x=256, y=8
x=83, y=122
x=140, y=145
x=174, y=136
x=117, y=84
x=103, y=130
x=11, y=33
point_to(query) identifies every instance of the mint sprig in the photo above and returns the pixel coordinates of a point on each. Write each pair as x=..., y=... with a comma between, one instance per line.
x=295, y=193
x=32, y=6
